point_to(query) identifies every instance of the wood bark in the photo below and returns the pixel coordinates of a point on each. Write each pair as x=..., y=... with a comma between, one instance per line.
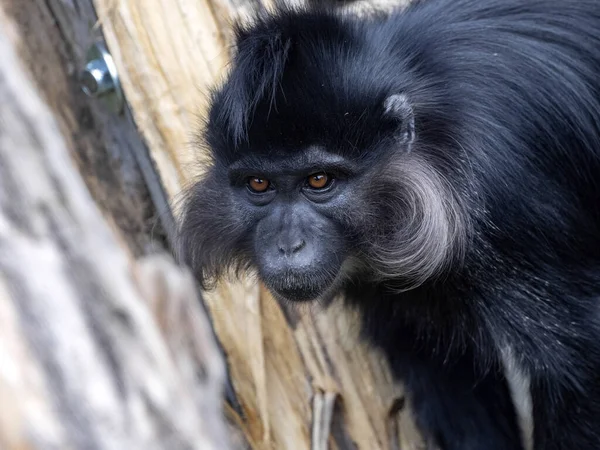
x=85, y=362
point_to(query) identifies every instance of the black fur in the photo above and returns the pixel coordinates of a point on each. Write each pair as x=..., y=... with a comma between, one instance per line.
x=505, y=97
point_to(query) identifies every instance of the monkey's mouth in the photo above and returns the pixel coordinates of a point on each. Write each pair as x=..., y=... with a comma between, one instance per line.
x=296, y=287
x=296, y=292
x=300, y=294
x=302, y=288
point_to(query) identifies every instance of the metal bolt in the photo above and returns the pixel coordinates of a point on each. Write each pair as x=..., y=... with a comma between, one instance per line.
x=96, y=78
x=99, y=78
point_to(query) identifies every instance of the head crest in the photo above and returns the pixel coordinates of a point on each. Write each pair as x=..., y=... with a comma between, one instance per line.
x=262, y=50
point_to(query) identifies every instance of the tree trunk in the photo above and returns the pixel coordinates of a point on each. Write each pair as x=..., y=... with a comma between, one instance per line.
x=97, y=351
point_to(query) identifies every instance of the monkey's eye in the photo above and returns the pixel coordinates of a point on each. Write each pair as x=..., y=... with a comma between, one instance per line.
x=257, y=184
x=319, y=180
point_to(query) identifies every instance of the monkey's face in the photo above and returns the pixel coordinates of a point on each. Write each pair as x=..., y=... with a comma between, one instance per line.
x=294, y=214
x=290, y=219
x=309, y=221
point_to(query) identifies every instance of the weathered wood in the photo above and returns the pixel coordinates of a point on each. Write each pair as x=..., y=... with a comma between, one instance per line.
x=286, y=366
x=84, y=363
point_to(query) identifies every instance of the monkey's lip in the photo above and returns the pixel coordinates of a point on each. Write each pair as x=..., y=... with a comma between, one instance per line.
x=322, y=291
x=299, y=294
x=301, y=285
x=298, y=291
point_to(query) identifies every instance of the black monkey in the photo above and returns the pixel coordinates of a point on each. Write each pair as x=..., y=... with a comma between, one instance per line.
x=441, y=169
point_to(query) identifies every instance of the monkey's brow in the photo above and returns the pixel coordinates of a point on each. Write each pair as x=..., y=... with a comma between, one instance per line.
x=303, y=162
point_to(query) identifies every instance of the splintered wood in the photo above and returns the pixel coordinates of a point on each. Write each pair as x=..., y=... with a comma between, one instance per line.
x=301, y=378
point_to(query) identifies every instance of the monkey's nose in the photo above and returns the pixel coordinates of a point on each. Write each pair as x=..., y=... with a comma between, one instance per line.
x=291, y=247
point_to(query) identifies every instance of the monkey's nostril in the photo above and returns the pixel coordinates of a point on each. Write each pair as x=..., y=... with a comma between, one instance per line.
x=291, y=248
x=298, y=246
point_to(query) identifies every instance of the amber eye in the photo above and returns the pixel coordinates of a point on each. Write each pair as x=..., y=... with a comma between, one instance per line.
x=257, y=184
x=319, y=180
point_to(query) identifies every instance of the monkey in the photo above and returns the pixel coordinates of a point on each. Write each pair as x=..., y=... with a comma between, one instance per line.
x=439, y=170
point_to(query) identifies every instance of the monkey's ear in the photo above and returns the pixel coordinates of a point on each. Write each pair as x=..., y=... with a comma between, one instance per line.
x=397, y=107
